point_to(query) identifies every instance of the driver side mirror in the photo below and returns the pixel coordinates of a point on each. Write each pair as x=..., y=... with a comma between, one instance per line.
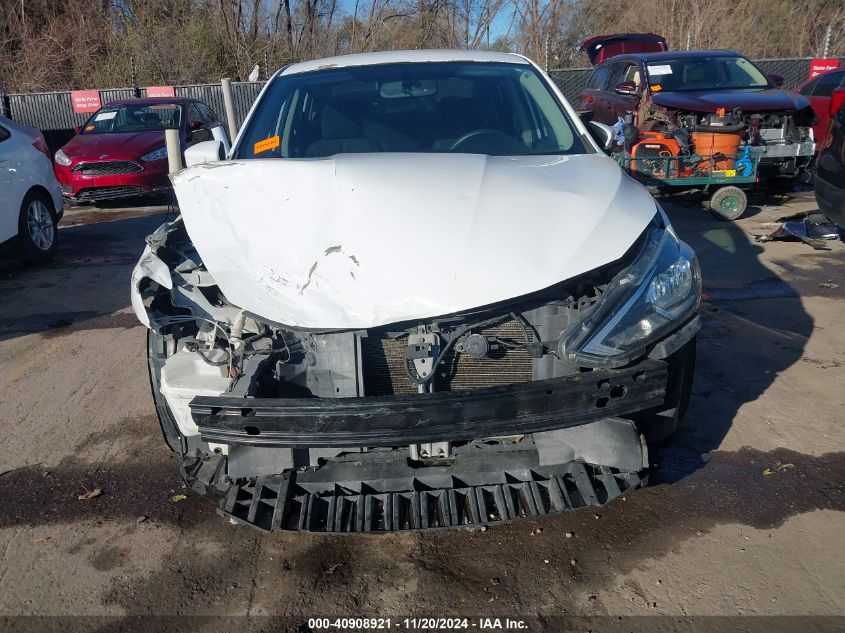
x=602, y=134
x=199, y=136
x=626, y=88
x=205, y=152
x=775, y=80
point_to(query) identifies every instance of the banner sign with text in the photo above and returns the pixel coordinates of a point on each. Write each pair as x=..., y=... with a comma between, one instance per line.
x=161, y=91
x=819, y=66
x=83, y=101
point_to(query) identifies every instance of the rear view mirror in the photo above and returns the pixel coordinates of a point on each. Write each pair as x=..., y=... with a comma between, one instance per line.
x=626, y=88
x=602, y=134
x=205, y=152
x=404, y=89
x=775, y=80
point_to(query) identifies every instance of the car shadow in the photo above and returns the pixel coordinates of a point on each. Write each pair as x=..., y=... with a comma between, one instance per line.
x=158, y=199
x=754, y=326
x=87, y=278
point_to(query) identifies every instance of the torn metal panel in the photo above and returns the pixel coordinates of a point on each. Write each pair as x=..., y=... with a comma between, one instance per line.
x=363, y=240
x=812, y=229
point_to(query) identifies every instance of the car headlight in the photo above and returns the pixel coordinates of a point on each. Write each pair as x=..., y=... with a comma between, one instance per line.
x=156, y=154
x=661, y=288
x=62, y=159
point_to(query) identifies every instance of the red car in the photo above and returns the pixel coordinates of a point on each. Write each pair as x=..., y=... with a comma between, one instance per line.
x=120, y=152
x=826, y=93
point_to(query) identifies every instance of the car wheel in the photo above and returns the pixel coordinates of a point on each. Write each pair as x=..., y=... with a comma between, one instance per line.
x=38, y=232
x=728, y=203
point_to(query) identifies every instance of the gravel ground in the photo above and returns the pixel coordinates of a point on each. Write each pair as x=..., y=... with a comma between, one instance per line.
x=715, y=534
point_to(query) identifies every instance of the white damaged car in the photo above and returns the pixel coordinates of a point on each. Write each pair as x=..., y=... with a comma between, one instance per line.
x=414, y=294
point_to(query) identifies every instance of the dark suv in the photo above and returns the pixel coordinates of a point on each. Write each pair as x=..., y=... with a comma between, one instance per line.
x=667, y=91
x=830, y=171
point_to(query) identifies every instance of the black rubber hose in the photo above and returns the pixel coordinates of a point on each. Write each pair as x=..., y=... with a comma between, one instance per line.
x=719, y=129
x=215, y=363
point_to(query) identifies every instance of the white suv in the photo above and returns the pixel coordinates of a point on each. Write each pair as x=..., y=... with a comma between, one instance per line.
x=30, y=197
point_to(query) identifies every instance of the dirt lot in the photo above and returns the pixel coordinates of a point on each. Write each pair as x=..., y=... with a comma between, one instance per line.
x=745, y=516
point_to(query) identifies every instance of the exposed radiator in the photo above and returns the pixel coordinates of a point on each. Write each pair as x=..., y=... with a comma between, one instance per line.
x=383, y=361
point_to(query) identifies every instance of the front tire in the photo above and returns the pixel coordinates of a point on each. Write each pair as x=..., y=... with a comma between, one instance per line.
x=38, y=231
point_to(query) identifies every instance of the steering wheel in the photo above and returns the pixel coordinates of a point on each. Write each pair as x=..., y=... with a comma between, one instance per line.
x=484, y=133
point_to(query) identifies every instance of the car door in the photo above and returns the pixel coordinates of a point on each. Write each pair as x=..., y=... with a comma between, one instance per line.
x=590, y=96
x=602, y=104
x=197, y=125
x=622, y=103
x=10, y=195
x=820, y=94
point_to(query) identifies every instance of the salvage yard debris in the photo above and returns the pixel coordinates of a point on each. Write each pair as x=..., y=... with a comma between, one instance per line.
x=90, y=494
x=811, y=228
x=777, y=469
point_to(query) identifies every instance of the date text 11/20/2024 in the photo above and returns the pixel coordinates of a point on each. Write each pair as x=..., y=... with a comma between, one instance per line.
x=416, y=624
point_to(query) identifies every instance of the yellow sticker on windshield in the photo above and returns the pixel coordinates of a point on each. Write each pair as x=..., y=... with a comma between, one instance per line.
x=266, y=145
x=656, y=88
x=88, y=128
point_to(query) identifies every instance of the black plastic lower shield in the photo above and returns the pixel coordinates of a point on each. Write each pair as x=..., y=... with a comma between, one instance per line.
x=301, y=501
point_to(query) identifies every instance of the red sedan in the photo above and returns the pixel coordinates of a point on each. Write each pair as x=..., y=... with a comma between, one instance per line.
x=826, y=93
x=120, y=151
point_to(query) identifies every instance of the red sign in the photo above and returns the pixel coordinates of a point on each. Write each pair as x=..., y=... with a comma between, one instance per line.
x=161, y=91
x=819, y=66
x=85, y=100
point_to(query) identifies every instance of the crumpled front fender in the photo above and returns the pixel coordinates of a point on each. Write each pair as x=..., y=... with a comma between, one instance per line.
x=148, y=267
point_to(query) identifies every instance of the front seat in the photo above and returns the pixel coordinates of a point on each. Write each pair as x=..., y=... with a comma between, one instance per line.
x=341, y=133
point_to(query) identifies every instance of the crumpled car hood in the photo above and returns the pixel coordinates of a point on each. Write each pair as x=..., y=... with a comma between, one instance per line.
x=364, y=240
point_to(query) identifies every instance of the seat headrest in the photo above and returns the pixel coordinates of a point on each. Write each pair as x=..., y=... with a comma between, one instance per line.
x=341, y=121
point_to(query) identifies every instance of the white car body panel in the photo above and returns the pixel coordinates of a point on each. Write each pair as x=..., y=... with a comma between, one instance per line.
x=148, y=267
x=22, y=167
x=365, y=240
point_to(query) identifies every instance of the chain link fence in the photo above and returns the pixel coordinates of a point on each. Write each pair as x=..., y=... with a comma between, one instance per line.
x=51, y=112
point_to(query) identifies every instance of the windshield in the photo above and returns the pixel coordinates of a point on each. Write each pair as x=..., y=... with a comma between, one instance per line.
x=704, y=73
x=134, y=118
x=477, y=108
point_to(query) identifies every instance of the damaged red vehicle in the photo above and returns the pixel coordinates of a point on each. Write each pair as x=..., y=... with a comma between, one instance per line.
x=684, y=92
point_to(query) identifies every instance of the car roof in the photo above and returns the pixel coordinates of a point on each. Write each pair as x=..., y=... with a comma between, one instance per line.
x=150, y=101
x=399, y=57
x=669, y=55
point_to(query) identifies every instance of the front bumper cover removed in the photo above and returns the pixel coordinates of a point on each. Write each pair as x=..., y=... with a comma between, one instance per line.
x=382, y=490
